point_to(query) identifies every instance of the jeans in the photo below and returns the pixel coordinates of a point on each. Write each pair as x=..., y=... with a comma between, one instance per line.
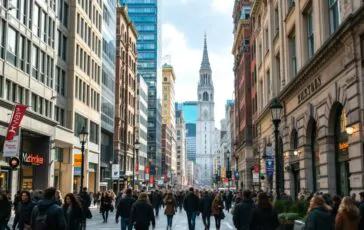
x=126, y=224
x=191, y=217
x=105, y=215
x=156, y=210
x=206, y=221
x=217, y=221
x=169, y=221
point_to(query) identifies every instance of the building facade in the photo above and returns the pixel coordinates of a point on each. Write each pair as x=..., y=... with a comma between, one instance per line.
x=146, y=17
x=205, y=122
x=314, y=51
x=181, y=150
x=125, y=94
x=108, y=91
x=191, y=141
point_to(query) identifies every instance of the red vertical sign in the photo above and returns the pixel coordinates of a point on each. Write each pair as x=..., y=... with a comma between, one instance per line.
x=18, y=115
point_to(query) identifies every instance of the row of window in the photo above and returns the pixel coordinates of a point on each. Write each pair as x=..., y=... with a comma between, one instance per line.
x=108, y=81
x=62, y=12
x=108, y=48
x=88, y=35
x=87, y=95
x=43, y=25
x=60, y=81
x=87, y=64
x=82, y=122
x=42, y=66
x=41, y=105
x=92, y=12
x=142, y=10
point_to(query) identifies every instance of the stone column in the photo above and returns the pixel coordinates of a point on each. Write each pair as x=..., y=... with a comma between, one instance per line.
x=327, y=165
x=306, y=172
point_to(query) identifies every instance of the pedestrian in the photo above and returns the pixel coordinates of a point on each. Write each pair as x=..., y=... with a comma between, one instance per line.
x=25, y=209
x=72, y=211
x=243, y=211
x=16, y=204
x=319, y=215
x=205, y=209
x=85, y=200
x=191, y=206
x=217, y=210
x=123, y=209
x=170, y=208
x=263, y=216
x=142, y=213
x=348, y=215
x=47, y=214
x=156, y=201
x=180, y=200
x=105, y=205
x=59, y=198
x=5, y=210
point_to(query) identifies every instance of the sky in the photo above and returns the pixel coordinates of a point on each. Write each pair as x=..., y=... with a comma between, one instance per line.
x=184, y=23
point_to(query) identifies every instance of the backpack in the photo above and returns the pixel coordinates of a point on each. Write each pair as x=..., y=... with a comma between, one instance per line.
x=41, y=220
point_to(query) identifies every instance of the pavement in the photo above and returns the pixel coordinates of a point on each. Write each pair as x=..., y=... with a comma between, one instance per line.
x=179, y=222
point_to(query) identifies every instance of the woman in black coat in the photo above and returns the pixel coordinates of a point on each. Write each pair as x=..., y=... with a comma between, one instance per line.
x=72, y=211
x=25, y=209
x=105, y=206
x=5, y=210
x=264, y=216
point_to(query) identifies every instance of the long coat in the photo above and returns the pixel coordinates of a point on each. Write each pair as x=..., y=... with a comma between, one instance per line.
x=217, y=207
x=345, y=221
x=171, y=205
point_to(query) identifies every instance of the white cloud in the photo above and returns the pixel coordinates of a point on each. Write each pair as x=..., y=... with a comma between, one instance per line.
x=186, y=62
x=223, y=6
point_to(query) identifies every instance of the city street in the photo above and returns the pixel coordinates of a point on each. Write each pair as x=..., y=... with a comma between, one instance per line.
x=179, y=222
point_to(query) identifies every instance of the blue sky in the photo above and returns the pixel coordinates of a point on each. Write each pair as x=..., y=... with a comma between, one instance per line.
x=184, y=23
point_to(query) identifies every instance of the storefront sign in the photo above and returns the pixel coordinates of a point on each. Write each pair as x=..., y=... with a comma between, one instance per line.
x=115, y=170
x=77, y=171
x=11, y=147
x=309, y=90
x=269, y=167
x=18, y=115
x=33, y=159
x=77, y=160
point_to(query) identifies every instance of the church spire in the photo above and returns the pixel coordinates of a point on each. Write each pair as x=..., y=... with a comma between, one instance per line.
x=205, y=64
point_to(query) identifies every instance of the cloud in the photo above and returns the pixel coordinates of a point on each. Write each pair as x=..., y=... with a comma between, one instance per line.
x=186, y=63
x=223, y=6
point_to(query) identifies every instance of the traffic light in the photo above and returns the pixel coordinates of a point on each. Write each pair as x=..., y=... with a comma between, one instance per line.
x=14, y=162
x=228, y=174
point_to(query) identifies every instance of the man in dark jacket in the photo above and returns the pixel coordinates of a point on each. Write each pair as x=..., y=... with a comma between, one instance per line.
x=124, y=210
x=156, y=201
x=191, y=206
x=361, y=209
x=243, y=211
x=47, y=214
x=205, y=209
x=142, y=213
x=85, y=200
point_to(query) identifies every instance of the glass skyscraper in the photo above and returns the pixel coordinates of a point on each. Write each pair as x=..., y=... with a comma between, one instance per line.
x=145, y=16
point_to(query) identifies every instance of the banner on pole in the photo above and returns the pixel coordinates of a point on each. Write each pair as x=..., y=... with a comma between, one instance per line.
x=16, y=119
x=11, y=147
x=115, y=170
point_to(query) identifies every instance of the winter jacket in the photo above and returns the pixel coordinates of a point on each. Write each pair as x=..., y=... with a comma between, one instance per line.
x=25, y=213
x=217, y=207
x=171, y=205
x=264, y=219
x=319, y=219
x=346, y=221
x=142, y=214
x=106, y=204
x=191, y=203
x=55, y=218
x=205, y=205
x=156, y=199
x=242, y=214
x=73, y=218
x=5, y=210
x=124, y=207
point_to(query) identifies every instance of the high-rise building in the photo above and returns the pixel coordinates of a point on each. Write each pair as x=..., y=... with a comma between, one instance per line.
x=191, y=141
x=146, y=17
x=125, y=92
x=108, y=90
x=142, y=126
x=205, y=122
x=181, y=150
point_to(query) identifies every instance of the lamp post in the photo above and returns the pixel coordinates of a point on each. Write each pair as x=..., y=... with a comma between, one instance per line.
x=237, y=176
x=136, y=148
x=276, y=109
x=228, y=167
x=83, y=139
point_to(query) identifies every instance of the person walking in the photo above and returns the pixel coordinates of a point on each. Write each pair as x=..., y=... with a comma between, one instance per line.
x=142, y=213
x=243, y=211
x=191, y=206
x=319, y=215
x=263, y=216
x=217, y=210
x=5, y=211
x=47, y=214
x=16, y=204
x=123, y=209
x=156, y=201
x=205, y=209
x=105, y=206
x=72, y=211
x=348, y=215
x=180, y=200
x=24, y=210
x=85, y=200
x=171, y=206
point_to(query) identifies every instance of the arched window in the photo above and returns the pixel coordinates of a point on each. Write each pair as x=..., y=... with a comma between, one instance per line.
x=205, y=96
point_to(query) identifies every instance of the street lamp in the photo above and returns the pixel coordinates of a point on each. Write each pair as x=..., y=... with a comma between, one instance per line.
x=228, y=172
x=83, y=139
x=236, y=171
x=276, y=110
x=136, y=148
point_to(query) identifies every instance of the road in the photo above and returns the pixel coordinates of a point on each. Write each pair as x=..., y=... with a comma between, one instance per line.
x=179, y=222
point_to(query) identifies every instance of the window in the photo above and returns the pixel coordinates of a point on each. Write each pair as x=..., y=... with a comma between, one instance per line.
x=65, y=14
x=292, y=44
x=35, y=61
x=268, y=87
x=334, y=15
x=80, y=122
x=12, y=43
x=61, y=81
x=21, y=52
x=36, y=20
x=94, y=133
x=310, y=33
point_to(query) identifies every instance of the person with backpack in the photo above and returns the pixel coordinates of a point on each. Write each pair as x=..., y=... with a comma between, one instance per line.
x=85, y=200
x=243, y=211
x=47, y=215
x=263, y=216
x=123, y=209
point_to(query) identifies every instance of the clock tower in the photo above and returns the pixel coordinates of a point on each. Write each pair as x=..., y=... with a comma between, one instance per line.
x=205, y=122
